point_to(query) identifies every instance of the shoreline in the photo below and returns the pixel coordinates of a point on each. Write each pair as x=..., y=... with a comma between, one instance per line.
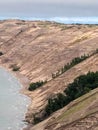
x=24, y=82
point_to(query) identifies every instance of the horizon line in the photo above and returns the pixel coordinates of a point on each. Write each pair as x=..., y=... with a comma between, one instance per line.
x=65, y=20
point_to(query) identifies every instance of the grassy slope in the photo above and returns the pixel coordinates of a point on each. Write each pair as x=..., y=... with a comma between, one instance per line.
x=79, y=114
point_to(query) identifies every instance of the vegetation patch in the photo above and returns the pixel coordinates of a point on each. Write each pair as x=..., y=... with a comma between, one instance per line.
x=36, y=85
x=68, y=66
x=1, y=53
x=74, y=62
x=36, y=119
x=15, y=67
x=81, y=85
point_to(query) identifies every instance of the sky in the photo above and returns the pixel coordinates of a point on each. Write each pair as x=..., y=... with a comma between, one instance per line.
x=48, y=9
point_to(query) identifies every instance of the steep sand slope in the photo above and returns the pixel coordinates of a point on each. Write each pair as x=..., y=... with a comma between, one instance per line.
x=41, y=48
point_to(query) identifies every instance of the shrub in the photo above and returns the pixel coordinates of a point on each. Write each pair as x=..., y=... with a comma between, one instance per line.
x=16, y=68
x=66, y=67
x=74, y=62
x=36, y=85
x=36, y=119
x=1, y=53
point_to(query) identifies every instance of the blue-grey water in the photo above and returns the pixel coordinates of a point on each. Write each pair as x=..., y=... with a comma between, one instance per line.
x=13, y=105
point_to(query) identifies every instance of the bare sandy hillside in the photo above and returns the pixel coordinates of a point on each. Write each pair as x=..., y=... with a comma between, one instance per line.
x=42, y=48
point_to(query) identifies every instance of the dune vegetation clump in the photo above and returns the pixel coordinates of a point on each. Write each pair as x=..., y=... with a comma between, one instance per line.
x=74, y=62
x=81, y=85
x=15, y=68
x=36, y=85
x=66, y=67
x=1, y=53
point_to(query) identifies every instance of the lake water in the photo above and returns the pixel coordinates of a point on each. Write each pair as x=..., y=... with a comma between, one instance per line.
x=13, y=105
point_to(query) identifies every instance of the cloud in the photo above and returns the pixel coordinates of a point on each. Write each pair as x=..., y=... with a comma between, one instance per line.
x=66, y=2
x=48, y=8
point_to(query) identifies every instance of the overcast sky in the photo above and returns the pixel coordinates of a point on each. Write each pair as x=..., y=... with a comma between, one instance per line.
x=48, y=8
